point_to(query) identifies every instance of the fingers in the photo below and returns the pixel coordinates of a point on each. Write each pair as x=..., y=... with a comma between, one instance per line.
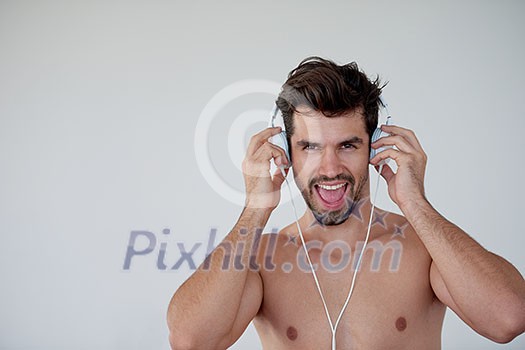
x=408, y=134
x=386, y=172
x=260, y=151
x=400, y=142
x=258, y=164
x=405, y=141
x=279, y=176
x=260, y=138
x=388, y=153
x=401, y=158
x=268, y=151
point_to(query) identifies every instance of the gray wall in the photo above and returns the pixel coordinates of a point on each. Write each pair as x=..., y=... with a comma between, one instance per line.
x=99, y=108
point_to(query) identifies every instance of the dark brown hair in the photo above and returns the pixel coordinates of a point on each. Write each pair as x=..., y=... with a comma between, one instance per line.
x=331, y=89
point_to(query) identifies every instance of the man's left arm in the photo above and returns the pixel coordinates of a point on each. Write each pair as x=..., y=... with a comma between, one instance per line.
x=485, y=290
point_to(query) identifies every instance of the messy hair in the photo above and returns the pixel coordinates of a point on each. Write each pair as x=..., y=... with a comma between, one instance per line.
x=331, y=89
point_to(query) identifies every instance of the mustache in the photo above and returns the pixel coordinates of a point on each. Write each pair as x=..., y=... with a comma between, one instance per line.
x=341, y=177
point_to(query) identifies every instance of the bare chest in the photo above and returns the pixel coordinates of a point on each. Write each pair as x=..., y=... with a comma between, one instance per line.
x=392, y=306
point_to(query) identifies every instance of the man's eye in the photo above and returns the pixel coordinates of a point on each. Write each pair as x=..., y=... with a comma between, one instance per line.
x=348, y=146
x=310, y=147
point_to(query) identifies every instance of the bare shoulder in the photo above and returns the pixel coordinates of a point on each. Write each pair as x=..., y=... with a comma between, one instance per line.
x=396, y=226
x=394, y=230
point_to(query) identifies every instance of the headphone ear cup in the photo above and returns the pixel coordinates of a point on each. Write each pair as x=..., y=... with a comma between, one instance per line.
x=284, y=138
x=378, y=133
x=375, y=136
x=281, y=141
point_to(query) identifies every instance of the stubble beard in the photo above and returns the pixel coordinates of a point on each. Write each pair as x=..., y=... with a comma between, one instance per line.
x=335, y=217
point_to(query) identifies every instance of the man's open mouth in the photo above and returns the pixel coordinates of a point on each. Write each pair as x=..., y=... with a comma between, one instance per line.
x=332, y=195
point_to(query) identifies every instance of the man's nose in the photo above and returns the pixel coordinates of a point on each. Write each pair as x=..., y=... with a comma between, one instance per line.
x=331, y=165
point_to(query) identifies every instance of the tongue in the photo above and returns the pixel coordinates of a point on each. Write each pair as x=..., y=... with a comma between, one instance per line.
x=331, y=196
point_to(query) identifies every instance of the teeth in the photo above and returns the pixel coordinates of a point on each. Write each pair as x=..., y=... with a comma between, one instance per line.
x=331, y=188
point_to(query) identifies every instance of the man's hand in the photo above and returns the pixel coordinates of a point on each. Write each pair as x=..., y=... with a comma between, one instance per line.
x=263, y=190
x=408, y=183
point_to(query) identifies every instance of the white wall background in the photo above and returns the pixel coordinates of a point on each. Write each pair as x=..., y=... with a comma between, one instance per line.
x=99, y=102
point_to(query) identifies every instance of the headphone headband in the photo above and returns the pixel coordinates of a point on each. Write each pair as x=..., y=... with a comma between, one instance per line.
x=275, y=110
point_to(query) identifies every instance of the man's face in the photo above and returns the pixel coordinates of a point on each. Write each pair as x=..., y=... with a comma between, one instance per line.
x=330, y=160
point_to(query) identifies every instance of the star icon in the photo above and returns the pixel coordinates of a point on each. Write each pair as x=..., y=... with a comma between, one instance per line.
x=379, y=218
x=319, y=220
x=356, y=208
x=292, y=239
x=399, y=231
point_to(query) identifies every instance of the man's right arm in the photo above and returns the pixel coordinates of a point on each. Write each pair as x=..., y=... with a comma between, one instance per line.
x=215, y=305
x=213, y=308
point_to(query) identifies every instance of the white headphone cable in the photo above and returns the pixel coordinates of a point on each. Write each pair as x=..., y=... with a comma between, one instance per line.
x=333, y=327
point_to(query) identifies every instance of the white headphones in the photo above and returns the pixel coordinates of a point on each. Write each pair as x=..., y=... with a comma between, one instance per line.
x=280, y=139
x=378, y=133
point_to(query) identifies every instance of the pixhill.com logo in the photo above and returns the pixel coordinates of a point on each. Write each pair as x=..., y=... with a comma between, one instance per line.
x=145, y=243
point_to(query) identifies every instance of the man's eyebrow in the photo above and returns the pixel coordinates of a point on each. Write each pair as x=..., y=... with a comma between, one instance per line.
x=352, y=140
x=304, y=143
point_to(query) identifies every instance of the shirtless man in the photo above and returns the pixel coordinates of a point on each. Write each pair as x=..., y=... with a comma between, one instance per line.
x=425, y=264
